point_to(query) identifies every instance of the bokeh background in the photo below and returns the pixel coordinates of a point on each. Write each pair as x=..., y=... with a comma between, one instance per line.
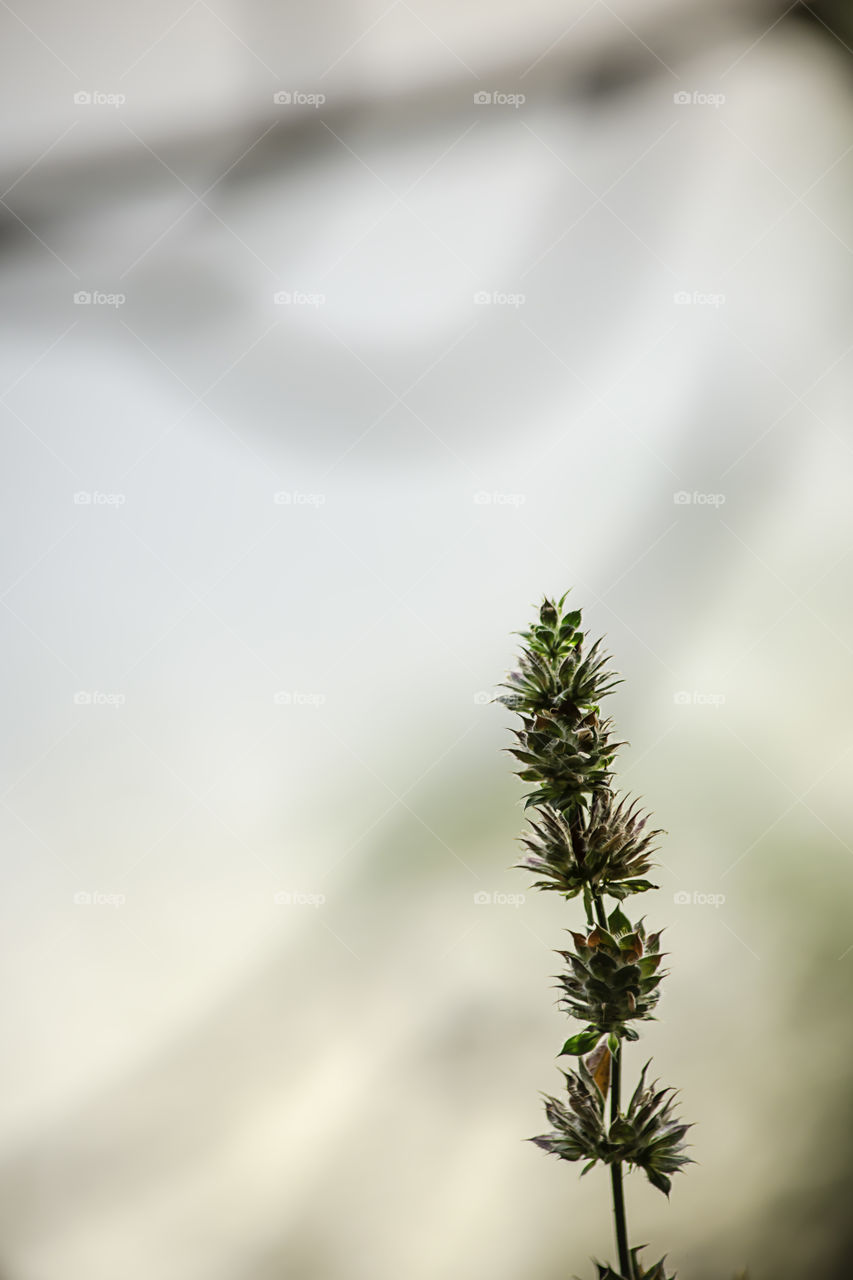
x=333, y=336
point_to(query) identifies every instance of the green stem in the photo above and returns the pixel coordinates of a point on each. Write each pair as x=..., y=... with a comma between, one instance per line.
x=619, y=1221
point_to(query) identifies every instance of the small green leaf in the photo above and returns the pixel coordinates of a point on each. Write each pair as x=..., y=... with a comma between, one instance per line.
x=618, y=922
x=583, y=1042
x=639, y=886
x=613, y=1044
x=659, y=1180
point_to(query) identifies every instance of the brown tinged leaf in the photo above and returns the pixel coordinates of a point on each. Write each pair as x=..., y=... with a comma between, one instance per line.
x=598, y=1064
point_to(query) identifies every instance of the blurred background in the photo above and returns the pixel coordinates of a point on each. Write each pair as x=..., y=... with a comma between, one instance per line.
x=333, y=337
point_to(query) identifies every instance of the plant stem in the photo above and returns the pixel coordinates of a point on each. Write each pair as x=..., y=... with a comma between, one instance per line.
x=616, y=1172
x=619, y=1221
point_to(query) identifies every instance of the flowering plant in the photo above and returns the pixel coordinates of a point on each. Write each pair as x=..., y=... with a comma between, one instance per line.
x=586, y=842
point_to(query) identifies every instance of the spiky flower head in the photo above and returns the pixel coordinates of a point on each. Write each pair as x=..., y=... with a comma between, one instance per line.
x=607, y=849
x=647, y=1135
x=612, y=977
x=563, y=744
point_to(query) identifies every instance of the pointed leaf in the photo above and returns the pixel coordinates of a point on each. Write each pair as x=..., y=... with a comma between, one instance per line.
x=618, y=923
x=583, y=1042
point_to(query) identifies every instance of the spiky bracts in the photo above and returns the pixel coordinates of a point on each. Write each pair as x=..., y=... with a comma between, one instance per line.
x=646, y=1136
x=565, y=747
x=585, y=842
x=650, y=1136
x=606, y=849
x=612, y=977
